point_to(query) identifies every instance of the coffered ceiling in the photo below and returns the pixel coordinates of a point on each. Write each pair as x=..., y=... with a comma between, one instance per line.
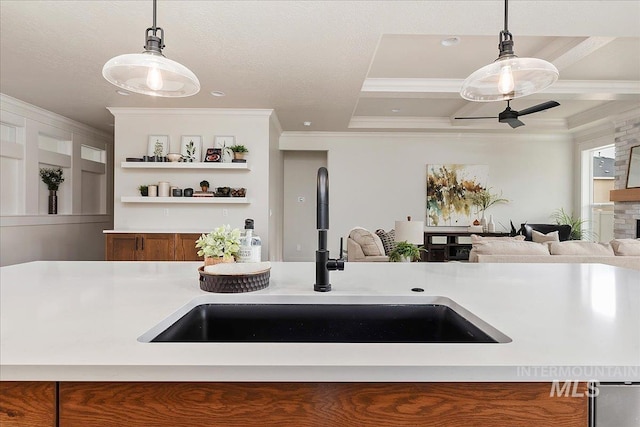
x=342, y=65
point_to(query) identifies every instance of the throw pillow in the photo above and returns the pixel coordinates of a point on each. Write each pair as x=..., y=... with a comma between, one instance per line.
x=510, y=247
x=626, y=247
x=370, y=243
x=578, y=247
x=388, y=239
x=539, y=237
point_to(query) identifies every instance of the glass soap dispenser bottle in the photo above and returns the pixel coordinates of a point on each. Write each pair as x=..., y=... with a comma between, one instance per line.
x=250, y=244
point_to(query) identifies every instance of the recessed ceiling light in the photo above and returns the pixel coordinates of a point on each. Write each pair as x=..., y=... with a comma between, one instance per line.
x=306, y=123
x=450, y=41
x=218, y=93
x=123, y=93
x=395, y=110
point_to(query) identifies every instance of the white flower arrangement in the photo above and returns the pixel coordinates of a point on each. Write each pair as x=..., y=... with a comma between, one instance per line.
x=222, y=242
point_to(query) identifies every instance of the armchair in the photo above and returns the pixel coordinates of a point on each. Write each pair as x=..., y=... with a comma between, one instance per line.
x=364, y=246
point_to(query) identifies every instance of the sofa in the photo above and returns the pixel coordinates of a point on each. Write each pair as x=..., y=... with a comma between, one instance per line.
x=619, y=252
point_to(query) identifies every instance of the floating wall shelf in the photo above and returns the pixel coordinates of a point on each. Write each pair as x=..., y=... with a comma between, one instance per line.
x=193, y=200
x=184, y=165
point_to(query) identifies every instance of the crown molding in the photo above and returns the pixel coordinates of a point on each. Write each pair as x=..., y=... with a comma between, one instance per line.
x=276, y=122
x=323, y=137
x=246, y=112
x=38, y=114
x=580, y=89
x=533, y=125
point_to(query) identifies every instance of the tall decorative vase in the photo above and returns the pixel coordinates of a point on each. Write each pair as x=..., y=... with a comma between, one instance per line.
x=53, y=202
x=491, y=226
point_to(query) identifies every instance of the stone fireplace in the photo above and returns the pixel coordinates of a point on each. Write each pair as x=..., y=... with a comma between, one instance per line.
x=626, y=215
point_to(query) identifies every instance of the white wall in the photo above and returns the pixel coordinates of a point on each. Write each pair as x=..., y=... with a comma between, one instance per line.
x=250, y=128
x=276, y=191
x=378, y=178
x=27, y=232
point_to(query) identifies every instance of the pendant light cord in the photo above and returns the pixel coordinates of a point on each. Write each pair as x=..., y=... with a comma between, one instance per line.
x=154, y=17
x=506, y=15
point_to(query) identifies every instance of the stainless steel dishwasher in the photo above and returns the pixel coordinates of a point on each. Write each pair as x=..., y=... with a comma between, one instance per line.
x=616, y=405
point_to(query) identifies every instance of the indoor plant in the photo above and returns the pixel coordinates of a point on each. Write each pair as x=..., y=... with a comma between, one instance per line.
x=52, y=178
x=483, y=200
x=405, y=252
x=221, y=245
x=239, y=151
x=576, y=224
x=204, y=185
x=144, y=190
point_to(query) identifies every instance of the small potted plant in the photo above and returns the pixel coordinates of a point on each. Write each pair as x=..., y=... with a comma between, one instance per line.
x=204, y=185
x=144, y=190
x=239, y=151
x=405, y=252
x=221, y=245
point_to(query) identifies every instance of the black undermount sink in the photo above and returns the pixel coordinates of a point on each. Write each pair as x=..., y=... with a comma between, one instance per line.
x=323, y=323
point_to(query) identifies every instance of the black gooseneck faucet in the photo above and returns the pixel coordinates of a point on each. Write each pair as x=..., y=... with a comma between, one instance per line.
x=323, y=263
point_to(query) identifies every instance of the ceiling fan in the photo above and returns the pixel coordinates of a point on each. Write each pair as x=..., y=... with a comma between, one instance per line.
x=510, y=116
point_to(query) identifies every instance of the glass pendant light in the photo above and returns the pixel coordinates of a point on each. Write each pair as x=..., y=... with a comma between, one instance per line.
x=150, y=72
x=508, y=77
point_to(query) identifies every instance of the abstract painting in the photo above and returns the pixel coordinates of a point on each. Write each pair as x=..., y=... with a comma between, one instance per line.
x=449, y=190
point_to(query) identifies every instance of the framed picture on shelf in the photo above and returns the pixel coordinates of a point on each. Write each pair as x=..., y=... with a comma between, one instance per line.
x=225, y=143
x=158, y=145
x=191, y=148
x=213, y=155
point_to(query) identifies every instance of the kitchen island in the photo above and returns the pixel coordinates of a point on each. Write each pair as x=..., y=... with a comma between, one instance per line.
x=80, y=326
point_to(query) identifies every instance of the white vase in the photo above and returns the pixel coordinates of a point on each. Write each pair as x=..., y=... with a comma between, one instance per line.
x=483, y=223
x=491, y=226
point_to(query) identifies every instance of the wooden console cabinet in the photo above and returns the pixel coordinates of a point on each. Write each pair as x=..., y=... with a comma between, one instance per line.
x=450, y=246
x=151, y=247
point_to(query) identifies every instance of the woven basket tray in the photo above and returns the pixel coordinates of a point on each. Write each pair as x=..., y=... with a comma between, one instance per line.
x=233, y=283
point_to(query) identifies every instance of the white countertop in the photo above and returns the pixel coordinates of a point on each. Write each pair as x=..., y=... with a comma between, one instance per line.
x=80, y=321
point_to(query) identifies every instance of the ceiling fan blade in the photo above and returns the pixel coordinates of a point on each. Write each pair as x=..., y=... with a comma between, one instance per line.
x=473, y=118
x=539, y=107
x=514, y=123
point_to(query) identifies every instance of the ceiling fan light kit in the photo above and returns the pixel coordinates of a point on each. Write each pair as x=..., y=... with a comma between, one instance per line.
x=508, y=77
x=150, y=72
